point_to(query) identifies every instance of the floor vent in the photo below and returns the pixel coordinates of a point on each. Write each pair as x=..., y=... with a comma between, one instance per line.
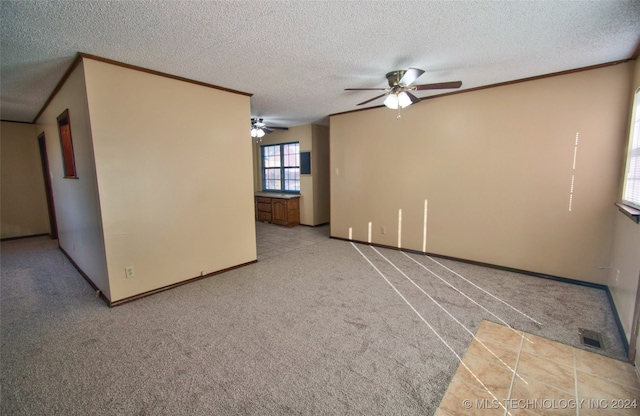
x=590, y=338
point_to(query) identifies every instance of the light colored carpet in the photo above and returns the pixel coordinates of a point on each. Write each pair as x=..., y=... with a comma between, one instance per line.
x=313, y=329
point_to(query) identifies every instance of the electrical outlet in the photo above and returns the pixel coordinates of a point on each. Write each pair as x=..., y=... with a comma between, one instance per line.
x=383, y=230
x=129, y=272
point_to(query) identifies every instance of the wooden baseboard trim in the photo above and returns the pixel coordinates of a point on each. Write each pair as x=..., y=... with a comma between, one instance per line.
x=625, y=343
x=489, y=265
x=150, y=292
x=316, y=225
x=86, y=277
x=22, y=237
x=173, y=285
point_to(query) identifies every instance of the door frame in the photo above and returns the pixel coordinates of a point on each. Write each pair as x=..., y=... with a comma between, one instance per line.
x=44, y=160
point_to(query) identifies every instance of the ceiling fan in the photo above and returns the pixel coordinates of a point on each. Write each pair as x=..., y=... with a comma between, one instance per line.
x=399, y=92
x=259, y=129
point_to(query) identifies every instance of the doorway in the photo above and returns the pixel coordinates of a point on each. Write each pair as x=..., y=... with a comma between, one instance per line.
x=47, y=186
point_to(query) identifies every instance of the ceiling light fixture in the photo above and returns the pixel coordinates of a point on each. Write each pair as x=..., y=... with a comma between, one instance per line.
x=395, y=100
x=391, y=101
x=259, y=129
x=257, y=133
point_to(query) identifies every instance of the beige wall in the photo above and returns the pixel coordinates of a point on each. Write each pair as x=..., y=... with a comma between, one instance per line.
x=625, y=251
x=625, y=266
x=495, y=167
x=174, y=172
x=314, y=188
x=24, y=204
x=77, y=203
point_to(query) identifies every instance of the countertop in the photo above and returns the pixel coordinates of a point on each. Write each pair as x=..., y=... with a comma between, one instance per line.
x=280, y=195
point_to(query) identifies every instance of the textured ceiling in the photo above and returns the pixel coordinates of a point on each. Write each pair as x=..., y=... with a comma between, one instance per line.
x=297, y=57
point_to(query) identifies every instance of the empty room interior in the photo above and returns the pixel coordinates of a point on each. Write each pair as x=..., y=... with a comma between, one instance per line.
x=320, y=207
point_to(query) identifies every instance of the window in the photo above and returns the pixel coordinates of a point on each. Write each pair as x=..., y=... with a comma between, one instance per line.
x=631, y=192
x=66, y=143
x=281, y=167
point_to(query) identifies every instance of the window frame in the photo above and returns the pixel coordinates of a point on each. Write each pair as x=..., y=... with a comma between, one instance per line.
x=633, y=155
x=282, y=168
x=66, y=146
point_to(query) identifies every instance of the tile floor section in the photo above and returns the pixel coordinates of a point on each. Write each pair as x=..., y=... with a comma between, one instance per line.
x=522, y=374
x=274, y=240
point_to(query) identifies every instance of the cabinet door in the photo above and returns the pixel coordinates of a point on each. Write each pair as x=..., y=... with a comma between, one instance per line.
x=293, y=212
x=279, y=211
x=264, y=216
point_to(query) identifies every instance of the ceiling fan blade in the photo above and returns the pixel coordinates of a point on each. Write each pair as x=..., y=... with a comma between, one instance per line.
x=413, y=98
x=266, y=130
x=410, y=76
x=277, y=128
x=374, y=98
x=365, y=89
x=438, y=86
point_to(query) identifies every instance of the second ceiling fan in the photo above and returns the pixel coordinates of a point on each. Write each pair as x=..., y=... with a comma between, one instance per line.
x=400, y=86
x=259, y=129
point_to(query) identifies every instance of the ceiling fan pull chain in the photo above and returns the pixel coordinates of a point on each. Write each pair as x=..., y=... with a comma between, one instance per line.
x=398, y=118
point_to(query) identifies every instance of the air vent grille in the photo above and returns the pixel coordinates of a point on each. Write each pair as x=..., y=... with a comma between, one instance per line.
x=591, y=338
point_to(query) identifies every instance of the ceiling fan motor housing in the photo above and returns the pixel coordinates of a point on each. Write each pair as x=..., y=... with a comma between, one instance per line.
x=394, y=77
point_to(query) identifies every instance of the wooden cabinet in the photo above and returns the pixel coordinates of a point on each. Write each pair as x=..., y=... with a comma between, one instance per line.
x=263, y=209
x=278, y=210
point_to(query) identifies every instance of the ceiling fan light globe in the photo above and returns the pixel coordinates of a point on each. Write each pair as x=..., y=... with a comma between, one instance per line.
x=254, y=132
x=392, y=101
x=404, y=100
x=260, y=133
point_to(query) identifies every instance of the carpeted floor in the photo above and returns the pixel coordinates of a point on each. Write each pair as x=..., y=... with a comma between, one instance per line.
x=325, y=327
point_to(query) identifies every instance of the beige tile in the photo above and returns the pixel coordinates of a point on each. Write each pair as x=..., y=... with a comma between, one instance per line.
x=592, y=387
x=540, y=398
x=546, y=371
x=510, y=338
x=496, y=378
x=551, y=350
x=595, y=409
x=522, y=412
x=606, y=397
x=495, y=352
x=460, y=393
x=607, y=368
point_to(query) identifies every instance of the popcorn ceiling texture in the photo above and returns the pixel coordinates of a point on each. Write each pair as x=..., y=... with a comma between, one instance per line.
x=297, y=57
